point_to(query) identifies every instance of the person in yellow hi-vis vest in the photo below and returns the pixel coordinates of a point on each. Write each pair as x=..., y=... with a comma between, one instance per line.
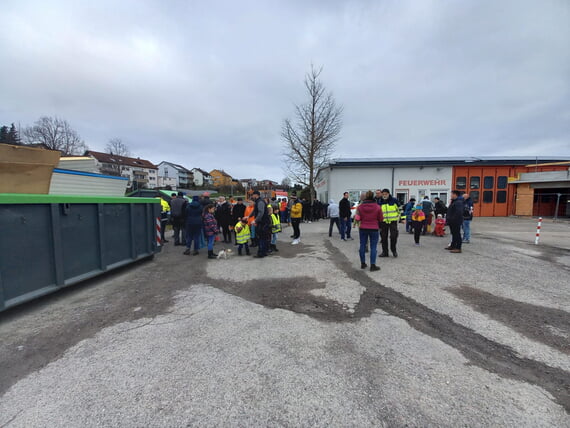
x=296, y=208
x=275, y=228
x=242, y=235
x=391, y=212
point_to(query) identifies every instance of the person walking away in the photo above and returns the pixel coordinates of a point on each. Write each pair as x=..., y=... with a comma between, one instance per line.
x=467, y=217
x=164, y=214
x=439, y=226
x=418, y=218
x=177, y=214
x=223, y=215
x=455, y=220
x=193, y=225
x=369, y=215
x=210, y=229
x=242, y=235
x=333, y=215
x=408, y=209
x=427, y=208
x=296, y=215
x=262, y=224
x=238, y=211
x=345, y=215
x=389, y=225
x=275, y=229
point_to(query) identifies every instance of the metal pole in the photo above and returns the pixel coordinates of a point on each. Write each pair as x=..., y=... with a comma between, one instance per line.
x=557, y=205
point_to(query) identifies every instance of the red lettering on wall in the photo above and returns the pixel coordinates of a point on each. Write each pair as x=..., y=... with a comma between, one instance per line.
x=422, y=183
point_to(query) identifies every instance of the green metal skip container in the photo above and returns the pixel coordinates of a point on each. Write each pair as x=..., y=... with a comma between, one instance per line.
x=51, y=241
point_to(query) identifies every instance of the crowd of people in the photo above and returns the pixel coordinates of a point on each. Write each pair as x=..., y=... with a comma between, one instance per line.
x=257, y=222
x=378, y=216
x=254, y=223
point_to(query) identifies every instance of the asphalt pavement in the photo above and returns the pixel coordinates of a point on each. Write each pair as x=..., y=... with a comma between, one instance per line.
x=305, y=337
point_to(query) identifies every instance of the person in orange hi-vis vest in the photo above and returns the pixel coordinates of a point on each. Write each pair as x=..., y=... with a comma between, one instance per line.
x=248, y=210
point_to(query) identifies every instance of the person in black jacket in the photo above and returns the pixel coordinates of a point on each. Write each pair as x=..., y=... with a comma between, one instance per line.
x=238, y=210
x=344, y=215
x=223, y=215
x=439, y=207
x=455, y=219
x=177, y=215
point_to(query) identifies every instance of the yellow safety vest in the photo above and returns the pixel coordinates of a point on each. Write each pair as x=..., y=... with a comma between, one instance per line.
x=391, y=213
x=243, y=235
x=276, y=224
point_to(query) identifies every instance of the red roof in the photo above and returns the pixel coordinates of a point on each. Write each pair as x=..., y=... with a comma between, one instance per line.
x=121, y=160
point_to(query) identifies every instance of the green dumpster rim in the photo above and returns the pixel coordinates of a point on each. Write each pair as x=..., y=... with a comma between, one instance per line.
x=21, y=198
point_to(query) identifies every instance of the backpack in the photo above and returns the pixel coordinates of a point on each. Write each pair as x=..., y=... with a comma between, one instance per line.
x=466, y=211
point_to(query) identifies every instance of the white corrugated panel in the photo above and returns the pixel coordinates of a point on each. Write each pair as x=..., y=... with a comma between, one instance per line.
x=82, y=163
x=65, y=182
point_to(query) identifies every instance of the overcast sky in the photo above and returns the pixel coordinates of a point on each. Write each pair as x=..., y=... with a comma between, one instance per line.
x=208, y=83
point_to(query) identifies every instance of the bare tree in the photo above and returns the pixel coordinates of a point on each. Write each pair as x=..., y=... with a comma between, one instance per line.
x=310, y=138
x=55, y=134
x=115, y=146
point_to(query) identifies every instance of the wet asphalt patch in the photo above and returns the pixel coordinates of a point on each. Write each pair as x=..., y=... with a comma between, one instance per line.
x=487, y=354
x=546, y=325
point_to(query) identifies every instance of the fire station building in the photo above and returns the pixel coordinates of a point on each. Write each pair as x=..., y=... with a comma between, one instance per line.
x=497, y=186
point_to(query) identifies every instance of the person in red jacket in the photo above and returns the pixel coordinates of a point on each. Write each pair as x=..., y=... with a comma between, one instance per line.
x=369, y=214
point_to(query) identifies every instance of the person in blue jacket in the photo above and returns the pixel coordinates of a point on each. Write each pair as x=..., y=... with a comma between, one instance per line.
x=193, y=225
x=408, y=209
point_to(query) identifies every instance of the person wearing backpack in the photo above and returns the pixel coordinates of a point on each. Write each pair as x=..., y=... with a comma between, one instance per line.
x=467, y=217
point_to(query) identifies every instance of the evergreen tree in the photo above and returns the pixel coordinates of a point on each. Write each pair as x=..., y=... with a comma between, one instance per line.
x=4, y=135
x=14, y=136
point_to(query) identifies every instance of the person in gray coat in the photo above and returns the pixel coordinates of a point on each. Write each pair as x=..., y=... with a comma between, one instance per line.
x=333, y=215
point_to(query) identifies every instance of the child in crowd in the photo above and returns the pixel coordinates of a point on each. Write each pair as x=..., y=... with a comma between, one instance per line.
x=418, y=218
x=275, y=228
x=242, y=235
x=439, y=226
x=210, y=228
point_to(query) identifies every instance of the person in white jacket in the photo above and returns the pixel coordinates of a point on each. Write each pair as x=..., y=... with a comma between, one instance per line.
x=333, y=214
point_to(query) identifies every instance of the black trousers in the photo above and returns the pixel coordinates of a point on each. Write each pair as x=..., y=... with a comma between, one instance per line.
x=455, y=236
x=334, y=220
x=226, y=232
x=296, y=231
x=392, y=229
x=417, y=226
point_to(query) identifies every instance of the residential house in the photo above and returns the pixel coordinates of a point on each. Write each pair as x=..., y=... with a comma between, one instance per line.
x=267, y=184
x=221, y=178
x=174, y=175
x=140, y=172
x=248, y=183
x=201, y=177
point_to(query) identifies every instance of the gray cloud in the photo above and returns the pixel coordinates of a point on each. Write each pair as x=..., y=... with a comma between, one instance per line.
x=208, y=84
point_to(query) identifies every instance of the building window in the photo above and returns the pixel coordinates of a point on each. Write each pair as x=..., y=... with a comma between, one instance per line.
x=461, y=182
x=501, y=196
x=475, y=182
x=488, y=182
x=488, y=197
x=502, y=182
x=402, y=197
x=475, y=196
